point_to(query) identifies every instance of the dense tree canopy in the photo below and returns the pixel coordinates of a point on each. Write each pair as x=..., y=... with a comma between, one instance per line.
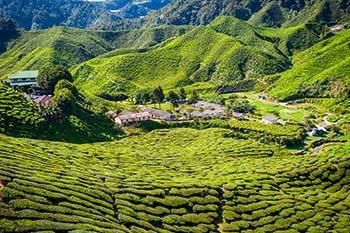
x=173, y=98
x=8, y=31
x=49, y=76
x=157, y=95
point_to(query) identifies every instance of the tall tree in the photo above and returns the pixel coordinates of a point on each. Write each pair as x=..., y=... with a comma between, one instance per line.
x=50, y=75
x=8, y=31
x=173, y=98
x=142, y=97
x=182, y=95
x=158, y=95
x=194, y=96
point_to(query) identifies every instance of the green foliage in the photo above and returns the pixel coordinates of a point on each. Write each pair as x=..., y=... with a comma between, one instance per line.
x=69, y=46
x=8, y=31
x=143, y=96
x=182, y=94
x=157, y=95
x=49, y=76
x=320, y=71
x=171, y=180
x=240, y=105
x=64, y=99
x=218, y=54
x=173, y=98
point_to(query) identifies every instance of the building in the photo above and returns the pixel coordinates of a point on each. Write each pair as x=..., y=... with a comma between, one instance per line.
x=336, y=28
x=208, y=106
x=270, y=120
x=23, y=78
x=132, y=118
x=239, y=116
x=157, y=114
x=43, y=100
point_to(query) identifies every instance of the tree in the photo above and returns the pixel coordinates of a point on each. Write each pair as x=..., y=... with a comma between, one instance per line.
x=142, y=97
x=66, y=84
x=242, y=106
x=182, y=95
x=50, y=75
x=157, y=95
x=8, y=31
x=194, y=97
x=173, y=98
x=64, y=100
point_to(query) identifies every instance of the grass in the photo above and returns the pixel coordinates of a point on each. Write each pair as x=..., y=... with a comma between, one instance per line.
x=171, y=180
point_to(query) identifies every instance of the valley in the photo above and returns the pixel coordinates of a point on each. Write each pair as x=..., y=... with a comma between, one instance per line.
x=175, y=116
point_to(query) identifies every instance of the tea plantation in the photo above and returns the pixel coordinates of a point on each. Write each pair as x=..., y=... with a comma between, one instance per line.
x=172, y=180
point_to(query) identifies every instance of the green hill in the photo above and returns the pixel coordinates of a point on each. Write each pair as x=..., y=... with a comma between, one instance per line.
x=216, y=53
x=319, y=71
x=68, y=46
x=20, y=118
x=179, y=180
x=227, y=52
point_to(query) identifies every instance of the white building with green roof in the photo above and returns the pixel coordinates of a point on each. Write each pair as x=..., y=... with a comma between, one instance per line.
x=23, y=78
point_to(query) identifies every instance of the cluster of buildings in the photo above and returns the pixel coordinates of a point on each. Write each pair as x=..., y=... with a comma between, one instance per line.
x=129, y=118
x=210, y=110
x=28, y=79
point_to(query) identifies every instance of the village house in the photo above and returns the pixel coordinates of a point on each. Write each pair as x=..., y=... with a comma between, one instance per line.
x=23, y=78
x=157, y=114
x=270, y=120
x=208, y=106
x=129, y=118
x=43, y=100
x=210, y=110
x=336, y=28
x=239, y=116
x=132, y=118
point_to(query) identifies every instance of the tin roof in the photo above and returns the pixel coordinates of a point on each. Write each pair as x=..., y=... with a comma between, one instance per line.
x=25, y=74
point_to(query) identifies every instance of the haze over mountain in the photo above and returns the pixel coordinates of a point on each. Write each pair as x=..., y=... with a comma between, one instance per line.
x=33, y=14
x=126, y=14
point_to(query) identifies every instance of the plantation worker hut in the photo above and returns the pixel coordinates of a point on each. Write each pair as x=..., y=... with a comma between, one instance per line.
x=23, y=78
x=270, y=120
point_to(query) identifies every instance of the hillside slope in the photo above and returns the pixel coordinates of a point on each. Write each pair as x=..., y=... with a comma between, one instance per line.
x=20, y=118
x=260, y=12
x=226, y=52
x=179, y=180
x=319, y=71
x=68, y=46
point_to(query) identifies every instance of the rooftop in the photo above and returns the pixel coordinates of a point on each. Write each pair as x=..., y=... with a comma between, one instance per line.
x=25, y=74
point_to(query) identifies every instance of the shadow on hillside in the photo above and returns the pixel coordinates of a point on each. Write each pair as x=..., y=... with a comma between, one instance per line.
x=82, y=126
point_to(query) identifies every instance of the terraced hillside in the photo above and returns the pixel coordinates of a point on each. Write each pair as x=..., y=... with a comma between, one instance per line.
x=20, y=118
x=17, y=114
x=179, y=180
x=317, y=71
x=68, y=46
x=226, y=51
